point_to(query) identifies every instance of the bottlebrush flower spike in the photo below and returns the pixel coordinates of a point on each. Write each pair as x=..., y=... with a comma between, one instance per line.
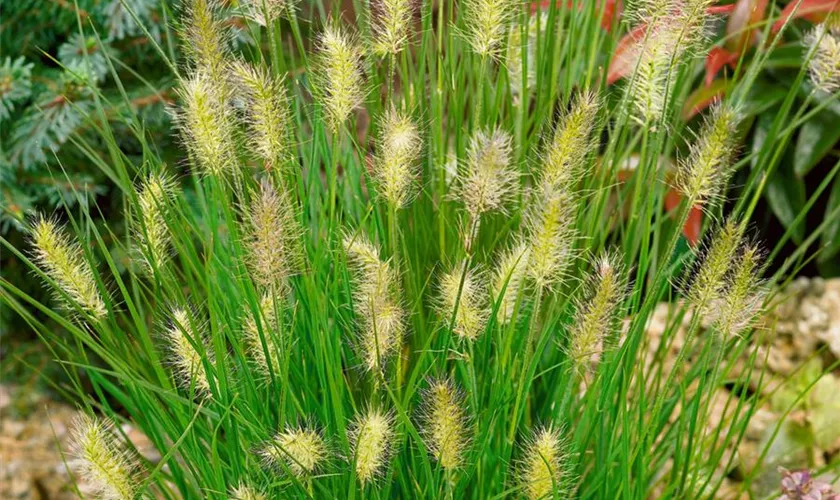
x=338, y=76
x=709, y=281
x=272, y=238
x=465, y=301
x=597, y=316
x=98, y=459
x=266, y=358
x=207, y=125
x=205, y=39
x=243, y=492
x=743, y=299
x=62, y=259
x=824, y=67
x=485, y=23
x=188, y=367
x=395, y=163
x=543, y=465
x=572, y=143
x=551, y=237
x=268, y=114
x=153, y=198
x=300, y=449
x=268, y=12
x=509, y=280
x=376, y=300
x=391, y=20
x=445, y=424
x=371, y=435
x=702, y=176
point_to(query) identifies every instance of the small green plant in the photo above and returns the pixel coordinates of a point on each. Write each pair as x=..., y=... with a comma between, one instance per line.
x=396, y=270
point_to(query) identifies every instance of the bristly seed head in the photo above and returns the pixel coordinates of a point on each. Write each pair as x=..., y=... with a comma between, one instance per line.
x=371, y=435
x=188, y=367
x=268, y=12
x=824, y=66
x=153, y=198
x=338, y=77
x=743, y=299
x=572, y=143
x=486, y=24
x=466, y=302
x=206, y=122
x=62, y=259
x=206, y=40
x=273, y=238
x=302, y=450
x=395, y=164
x=244, y=492
x=390, y=22
x=709, y=277
x=543, y=465
x=551, y=237
x=267, y=359
x=100, y=461
x=445, y=424
x=509, y=280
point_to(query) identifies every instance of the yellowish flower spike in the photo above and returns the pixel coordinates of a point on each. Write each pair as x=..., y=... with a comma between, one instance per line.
x=486, y=23
x=153, y=198
x=597, y=315
x=205, y=40
x=268, y=114
x=445, y=424
x=551, y=237
x=469, y=307
x=391, y=20
x=266, y=359
x=509, y=280
x=272, y=238
x=302, y=450
x=710, y=272
x=62, y=259
x=268, y=12
x=744, y=297
x=244, y=492
x=98, y=459
x=395, y=166
x=376, y=300
x=186, y=360
x=338, y=77
x=207, y=125
x=542, y=466
x=371, y=435
x=703, y=175
x=573, y=141
x=824, y=67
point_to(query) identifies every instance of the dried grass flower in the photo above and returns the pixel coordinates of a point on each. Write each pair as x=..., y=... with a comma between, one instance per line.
x=445, y=424
x=338, y=77
x=462, y=293
x=108, y=469
x=371, y=436
x=154, y=195
x=543, y=465
x=395, y=165
x=302, y=450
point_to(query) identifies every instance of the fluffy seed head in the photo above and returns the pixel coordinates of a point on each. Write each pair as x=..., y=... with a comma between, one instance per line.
x=268, y=12
x=376, y=300
x=267, y=112
x=244, y=492
x=509, y=280
x=702, y=176
x=206, y=122
x=273, y=237
x=338, y=76
x=824, y=67
x=266, y=359
x=445, y=424
x=302, y=450
x=205, y=39
x=542, y=465
x=100, y=461
x=62, y=259
x=153, y=197
x=395, y=165
x=486, y=24
x=597, y=315
x=371, y=435
x=390, y=22
x=465, y=302
x=187, y=363
x=572, y=143
x=709, y=281
x=743, y=299
x=551, y=237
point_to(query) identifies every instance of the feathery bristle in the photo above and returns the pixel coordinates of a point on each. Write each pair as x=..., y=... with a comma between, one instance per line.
x=186, y=359
x=273, y=237
x=338, y=79
x=376, y=299
x=390, y=23
x=542, y=465
x=301, y=450
x=486, y=24
x=268, y=363
x=62, y=259
x=153, y=197
x=509, y=280
x=573, y=141
x=206, y=122
x=99, y=460
x=471, y=314
x=743, y=298
x=702, y=176
x=551, y=237
x=709, y=282
x=399, y=150
x=205, y=39
x=268, y=114
x=824, y=66
x=597, y=315
x=444, y=425
x=268, y=12
x=371, y=434
x=244, y=492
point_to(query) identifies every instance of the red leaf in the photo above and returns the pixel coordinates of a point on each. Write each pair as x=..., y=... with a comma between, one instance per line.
x=718, y=58
x=703, y=97
x=626, y=54
x=813, y=10
x=694, y=222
